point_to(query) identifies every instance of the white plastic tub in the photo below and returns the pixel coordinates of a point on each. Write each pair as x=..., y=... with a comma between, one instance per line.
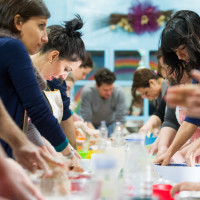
x=178, y=172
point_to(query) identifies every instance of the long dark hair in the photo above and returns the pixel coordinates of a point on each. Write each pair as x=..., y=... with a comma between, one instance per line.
x=67, y=40
x=25, y=8
x=182, y=29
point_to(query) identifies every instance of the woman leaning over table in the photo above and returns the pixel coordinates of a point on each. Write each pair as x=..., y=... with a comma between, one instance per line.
x=180, y=47
x=23, y=32
x=153, y=87
x=55, y=61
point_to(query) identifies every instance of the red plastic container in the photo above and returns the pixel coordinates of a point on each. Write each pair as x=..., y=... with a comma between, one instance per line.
x=162, y=191
x=86, y=187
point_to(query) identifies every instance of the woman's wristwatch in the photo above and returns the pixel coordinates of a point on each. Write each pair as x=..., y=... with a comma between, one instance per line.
x=71, y=154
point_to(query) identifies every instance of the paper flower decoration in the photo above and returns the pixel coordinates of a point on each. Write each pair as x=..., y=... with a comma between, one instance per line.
x=142, y=17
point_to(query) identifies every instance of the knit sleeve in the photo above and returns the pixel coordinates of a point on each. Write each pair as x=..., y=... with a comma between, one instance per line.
x=23, y=79
x=191, y=120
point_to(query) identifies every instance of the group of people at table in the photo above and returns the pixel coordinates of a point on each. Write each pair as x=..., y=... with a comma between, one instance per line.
x=35, y=63
x=176, y=90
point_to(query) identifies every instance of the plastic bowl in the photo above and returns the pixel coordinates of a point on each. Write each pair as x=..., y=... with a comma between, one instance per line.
x=177, y=173
x=162, y=191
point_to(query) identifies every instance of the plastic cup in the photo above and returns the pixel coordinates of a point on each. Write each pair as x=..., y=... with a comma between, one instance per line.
x=83, y=154
x=162, y=191
x=85, y=189
x=94, y=152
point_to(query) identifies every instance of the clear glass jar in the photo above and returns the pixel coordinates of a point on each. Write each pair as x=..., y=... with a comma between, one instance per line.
x=137, y=169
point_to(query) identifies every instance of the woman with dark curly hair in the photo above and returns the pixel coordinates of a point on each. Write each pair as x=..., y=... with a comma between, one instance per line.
x=180, y=43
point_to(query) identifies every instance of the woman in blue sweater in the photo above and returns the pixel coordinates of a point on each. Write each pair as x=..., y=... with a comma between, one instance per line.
x=50, y=61
x=22, y=25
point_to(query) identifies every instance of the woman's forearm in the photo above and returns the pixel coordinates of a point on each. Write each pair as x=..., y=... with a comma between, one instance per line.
x=69, y=130
x=166, y=136
x=185, y=131
x=154, y=121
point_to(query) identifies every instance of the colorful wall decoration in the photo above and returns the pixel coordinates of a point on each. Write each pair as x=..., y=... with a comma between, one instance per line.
x=153, y=63
x=125, y=64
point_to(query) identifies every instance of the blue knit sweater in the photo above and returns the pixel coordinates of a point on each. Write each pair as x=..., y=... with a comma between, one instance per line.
x=19, y=90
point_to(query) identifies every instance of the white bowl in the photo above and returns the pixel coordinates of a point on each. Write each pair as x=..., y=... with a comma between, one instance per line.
x=178, y=172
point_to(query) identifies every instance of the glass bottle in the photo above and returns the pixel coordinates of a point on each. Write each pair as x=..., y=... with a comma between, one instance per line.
x=118, y=137
x=103, y=135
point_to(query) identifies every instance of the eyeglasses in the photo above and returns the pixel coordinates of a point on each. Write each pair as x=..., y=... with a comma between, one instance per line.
x=68, y=69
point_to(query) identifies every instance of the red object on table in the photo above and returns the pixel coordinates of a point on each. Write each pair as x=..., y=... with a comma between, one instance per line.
x=162, y=191
x=79, y=176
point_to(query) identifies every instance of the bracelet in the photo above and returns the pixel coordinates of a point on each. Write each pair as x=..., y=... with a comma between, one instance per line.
x=71, y=154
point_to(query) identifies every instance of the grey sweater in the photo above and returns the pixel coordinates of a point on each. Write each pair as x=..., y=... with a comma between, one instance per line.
x=94, y=109
x=32, y=133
